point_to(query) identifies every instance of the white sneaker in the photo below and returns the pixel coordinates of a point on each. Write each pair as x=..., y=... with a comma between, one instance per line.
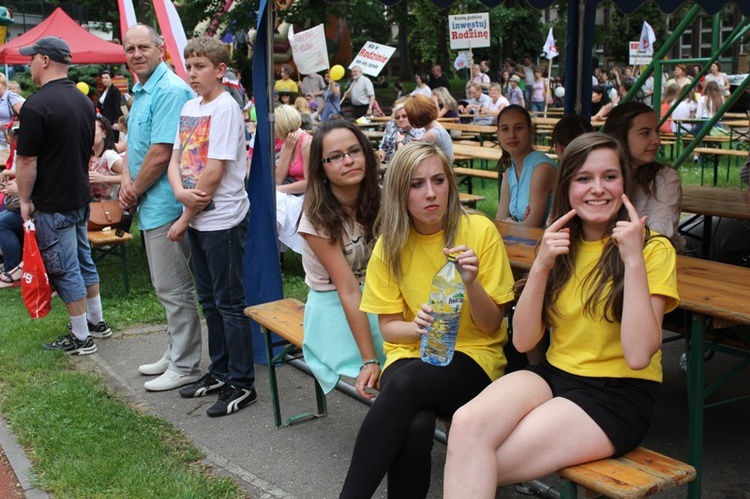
x=170, y=380
x=154, y=369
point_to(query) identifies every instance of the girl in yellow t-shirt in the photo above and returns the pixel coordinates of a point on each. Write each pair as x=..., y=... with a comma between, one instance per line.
x=601, y=283
x=420, y=221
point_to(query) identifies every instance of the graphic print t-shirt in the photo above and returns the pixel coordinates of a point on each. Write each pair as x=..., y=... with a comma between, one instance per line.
x=214, y=130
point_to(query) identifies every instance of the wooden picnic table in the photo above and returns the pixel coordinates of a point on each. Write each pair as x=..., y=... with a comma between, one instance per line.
x=717, y=153
x=707, y=289
x=714, y=202
x=464, y=152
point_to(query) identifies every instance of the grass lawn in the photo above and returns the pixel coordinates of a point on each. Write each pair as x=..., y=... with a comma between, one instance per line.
x=83, y=439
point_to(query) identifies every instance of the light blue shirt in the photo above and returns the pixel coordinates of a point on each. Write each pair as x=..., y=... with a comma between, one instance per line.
x=154, y=119
x=520, y=188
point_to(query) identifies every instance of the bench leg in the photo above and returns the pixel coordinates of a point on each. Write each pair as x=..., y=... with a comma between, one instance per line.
x=696, y=382
x=272, y=378
x=320, y=396
x=568, y=490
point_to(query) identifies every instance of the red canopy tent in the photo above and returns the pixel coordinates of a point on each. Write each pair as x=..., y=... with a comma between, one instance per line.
x=85, y=47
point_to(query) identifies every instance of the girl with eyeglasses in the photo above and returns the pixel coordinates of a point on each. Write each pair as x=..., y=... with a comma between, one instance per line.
x=420, y=222
x=342, y=201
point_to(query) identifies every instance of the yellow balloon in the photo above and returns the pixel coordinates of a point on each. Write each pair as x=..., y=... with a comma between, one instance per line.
x=337, y=72
x=83, y=87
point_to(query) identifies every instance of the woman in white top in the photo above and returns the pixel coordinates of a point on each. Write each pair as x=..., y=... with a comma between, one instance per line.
x=710, y=102
x=498, y=102
x=716, y=75
x=422, y=88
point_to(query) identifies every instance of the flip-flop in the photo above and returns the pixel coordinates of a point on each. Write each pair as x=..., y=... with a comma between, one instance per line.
x=8, y=281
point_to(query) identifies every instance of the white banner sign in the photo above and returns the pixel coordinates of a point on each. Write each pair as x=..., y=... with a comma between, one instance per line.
x=468, y=31
x=372, y=58
x=309, y=50
x=638, y=57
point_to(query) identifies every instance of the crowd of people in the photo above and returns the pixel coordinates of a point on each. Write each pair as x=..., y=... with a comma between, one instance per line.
x=588, y=313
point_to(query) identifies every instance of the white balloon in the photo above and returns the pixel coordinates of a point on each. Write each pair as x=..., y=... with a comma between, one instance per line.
x=560, y=92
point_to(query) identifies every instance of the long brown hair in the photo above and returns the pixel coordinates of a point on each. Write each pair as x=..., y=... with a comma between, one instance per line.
x=609, y=270
x=505, y=160
x=321, y=207
x=618, y=124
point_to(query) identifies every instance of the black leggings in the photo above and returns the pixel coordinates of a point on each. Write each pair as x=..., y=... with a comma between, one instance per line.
x=397, y=432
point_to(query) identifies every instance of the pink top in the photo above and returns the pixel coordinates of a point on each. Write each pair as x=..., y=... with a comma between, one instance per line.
x=296, y=168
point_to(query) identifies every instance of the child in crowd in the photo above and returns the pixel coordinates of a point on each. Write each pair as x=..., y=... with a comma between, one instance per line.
x=105, y=167
x=657, y=189
x=601, y=280
x=342, y=201
x=207, y=173
x=529, y=175
x=420, y=222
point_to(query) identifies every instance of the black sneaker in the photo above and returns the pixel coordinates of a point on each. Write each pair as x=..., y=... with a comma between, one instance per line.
x=71, y=345
x=231, y=400
x=100, y=331
x=207, y=384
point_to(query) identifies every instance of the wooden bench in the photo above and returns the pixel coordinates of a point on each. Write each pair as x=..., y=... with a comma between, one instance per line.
x=106, y=243
x=285, y=318
x=639, y=473
x=717, y=153
x=470, y=200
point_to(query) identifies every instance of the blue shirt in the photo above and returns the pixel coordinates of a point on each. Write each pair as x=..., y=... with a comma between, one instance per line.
x=153, y=119
x=520, y=188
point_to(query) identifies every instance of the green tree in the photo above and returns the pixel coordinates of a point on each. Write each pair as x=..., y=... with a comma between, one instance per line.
x=623, y=28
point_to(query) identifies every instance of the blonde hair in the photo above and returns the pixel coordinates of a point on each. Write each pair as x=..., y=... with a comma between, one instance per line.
x=3, y=80
x=300, y=103
x=393, y=224
x=445, y=98
x=288, y=120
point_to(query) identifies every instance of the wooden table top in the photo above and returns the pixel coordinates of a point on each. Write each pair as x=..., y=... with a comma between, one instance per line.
x=466, y=152
x=716, y=201
x=468, y=127
x=711, y=288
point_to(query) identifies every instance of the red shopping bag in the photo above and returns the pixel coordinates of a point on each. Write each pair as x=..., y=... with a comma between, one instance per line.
x=35, y=288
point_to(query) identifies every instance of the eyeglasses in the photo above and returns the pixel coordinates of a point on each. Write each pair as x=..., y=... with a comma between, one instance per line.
x=338, y=157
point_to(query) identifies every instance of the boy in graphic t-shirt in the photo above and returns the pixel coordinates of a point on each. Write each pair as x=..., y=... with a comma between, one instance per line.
x=207, y=173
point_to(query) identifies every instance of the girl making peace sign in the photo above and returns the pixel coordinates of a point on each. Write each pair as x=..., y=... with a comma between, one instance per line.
x=601, y=284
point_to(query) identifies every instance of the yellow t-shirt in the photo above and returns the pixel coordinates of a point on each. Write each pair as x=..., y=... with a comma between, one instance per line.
x=420, y=260
x=591, y=347
x=285, y=86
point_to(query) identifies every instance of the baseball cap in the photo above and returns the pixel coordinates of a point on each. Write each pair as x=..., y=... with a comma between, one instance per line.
x=515, y=78
x=53, y=47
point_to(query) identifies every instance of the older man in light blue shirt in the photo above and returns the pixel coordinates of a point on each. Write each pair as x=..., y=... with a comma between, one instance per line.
x=152, y=127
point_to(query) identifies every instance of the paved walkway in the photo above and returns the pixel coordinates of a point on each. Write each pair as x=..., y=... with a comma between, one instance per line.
x=310, y=460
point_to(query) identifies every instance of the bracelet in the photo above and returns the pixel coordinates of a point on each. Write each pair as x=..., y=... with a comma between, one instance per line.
x=368, y=362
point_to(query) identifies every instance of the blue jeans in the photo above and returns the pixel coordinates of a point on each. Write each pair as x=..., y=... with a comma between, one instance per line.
x=64, y=245
x=537, y=105
x=217, y=260
x=11, y=238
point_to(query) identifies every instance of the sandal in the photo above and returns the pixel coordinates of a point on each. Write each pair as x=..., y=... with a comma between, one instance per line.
x=11, y=279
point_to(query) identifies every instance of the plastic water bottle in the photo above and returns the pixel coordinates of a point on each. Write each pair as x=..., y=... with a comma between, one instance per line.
x=446, y=301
